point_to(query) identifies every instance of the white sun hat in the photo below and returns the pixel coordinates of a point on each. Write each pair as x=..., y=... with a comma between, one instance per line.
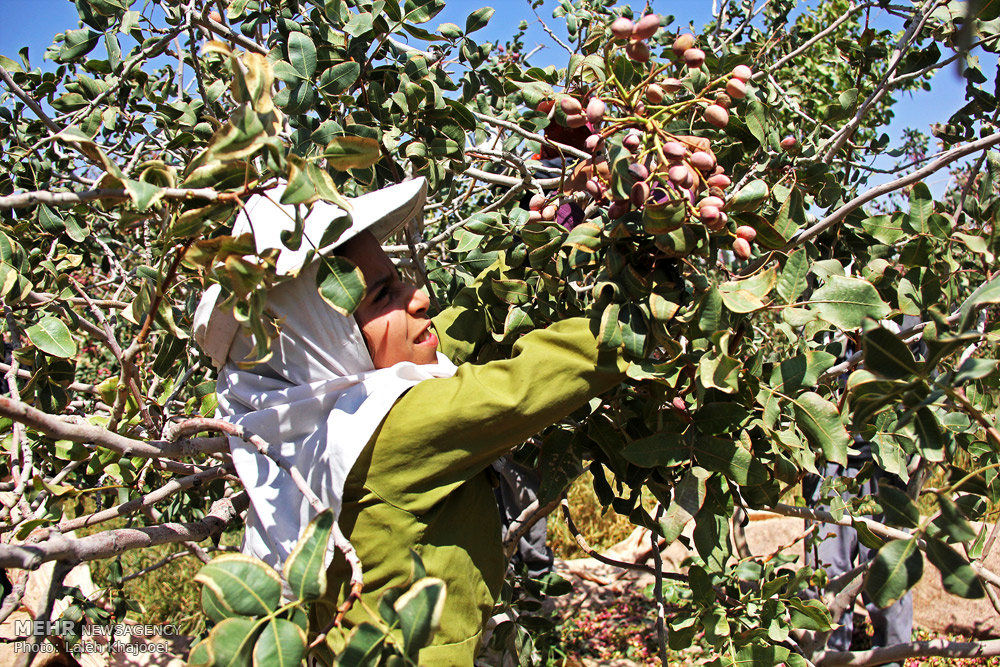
x=381, y=212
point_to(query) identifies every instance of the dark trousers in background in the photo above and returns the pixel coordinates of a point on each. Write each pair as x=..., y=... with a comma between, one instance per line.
x=516, y=488
x=842, y=552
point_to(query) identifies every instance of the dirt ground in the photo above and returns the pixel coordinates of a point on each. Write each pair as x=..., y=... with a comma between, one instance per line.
x=933, y=608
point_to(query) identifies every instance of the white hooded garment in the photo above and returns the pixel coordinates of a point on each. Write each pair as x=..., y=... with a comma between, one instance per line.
x=317, y=400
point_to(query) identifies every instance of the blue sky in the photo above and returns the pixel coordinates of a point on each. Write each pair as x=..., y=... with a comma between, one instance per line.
x=33, y=23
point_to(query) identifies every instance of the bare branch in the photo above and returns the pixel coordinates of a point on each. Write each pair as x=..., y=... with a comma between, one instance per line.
x=900, y=652
x=25, y=199
x=27, y=99
x=841, y=213
x=148, y=500
x=514, y=127
x=167, y=560
x=836, y=142
x=113, y=542
x=528, y=517
x=877, y=528
x=86, y=433
x=851, y=9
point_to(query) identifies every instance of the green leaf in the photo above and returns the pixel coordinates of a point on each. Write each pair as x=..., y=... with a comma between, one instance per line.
x=230, y=643
x=745, y=296
x=211, y=605
x=422, y=11
x=819, y=420
x=932, y=440
x=302, y=54
x=77, y=43
x=662, y=448
x=304, y=569
x=726, y=456
x=200, y=655
x=341, y=284
x=363, y=646
x=845, y=302
x=449, y=31
x=10, y=65
x=749, y=197
x=792, y=281
x=514, y=292
x=143, y=194
x=801, y=371
x=242, y=585
x=808, y=614
x=281, y=643
x=689, y=495
x=344, y=153
x=921, y=207
x=986, y=294
x=419, y=612
x=952, y=522
x=719, y=372
x=885, y=228
x=897, y=507
x=754, y=119
x=975, y=369
x=957, y=575
x=51, y=336
x=896, y=569
x=339, y=77
x=478, y=19
x=886, y=355
x=610, y=332
x=359, y=24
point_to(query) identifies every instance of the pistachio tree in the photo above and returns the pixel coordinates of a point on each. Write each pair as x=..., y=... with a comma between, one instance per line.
x=724, y=202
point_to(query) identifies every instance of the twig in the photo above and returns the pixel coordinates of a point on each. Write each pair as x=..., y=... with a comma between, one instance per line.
x=661, y=626
x=900, y=652
x=815, y=38
x=148, y=500
x=875, y=527
x=581, y=541
x=528, y=517
x=514, y=127
x=836, y=142
x=25, y=199
x=84, y=432
x=167, y=560
x=13, y=599
x=27, y=99
x=114, y=542
x=865, y=197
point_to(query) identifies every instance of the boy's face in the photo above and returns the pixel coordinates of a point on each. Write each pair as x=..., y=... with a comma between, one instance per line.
x=392, y=315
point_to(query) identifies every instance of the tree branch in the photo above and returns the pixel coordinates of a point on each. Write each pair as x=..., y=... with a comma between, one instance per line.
x=113, y=542
x=86, y=433
x=900, y=652
x=528, y=517
x=865, y=197
x=838, y=140
x=148, y=500
x=25, y=199
x=878, y=529
x=27, y=99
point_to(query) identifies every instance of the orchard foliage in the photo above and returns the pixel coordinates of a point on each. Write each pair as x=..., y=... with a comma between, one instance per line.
x=702, y=195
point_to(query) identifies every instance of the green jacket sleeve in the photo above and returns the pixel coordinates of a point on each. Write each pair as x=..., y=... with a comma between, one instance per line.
x=444, y=431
